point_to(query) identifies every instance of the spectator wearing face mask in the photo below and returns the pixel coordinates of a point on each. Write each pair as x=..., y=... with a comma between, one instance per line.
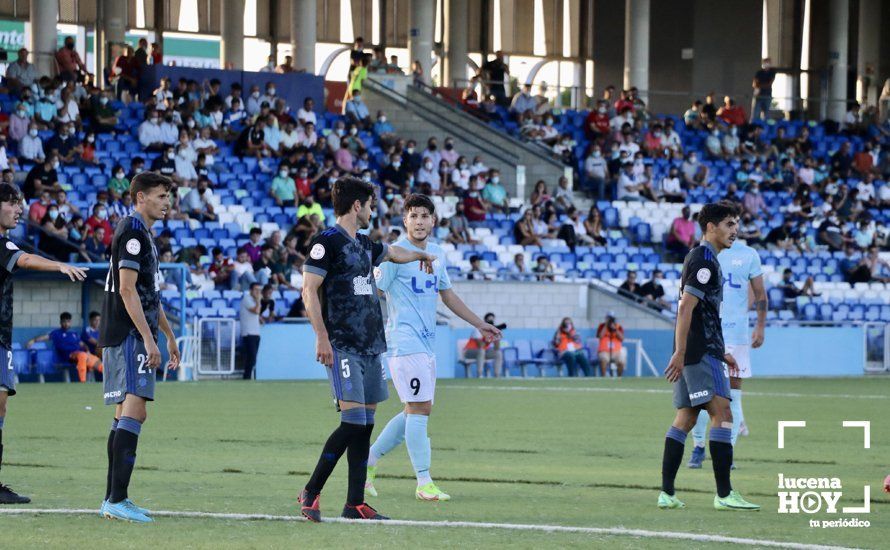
x=64, y=145
x=569, y=348
x=671, y=190
x=284, y=189
x=166, y=163
x=474, y=206
x=596, y=125
x=19, y=123
x=695, y=174
x=31, y=146
x=43, y=177
x=99, y=218
x=653, y=291
x=460, y=176
x=357, y=112
x=495, y=194
x=428, y=173
x=71, y=67
x=432, y=152
x=269, y=96
x=753, y=201
x=393, y=175
x=150, y=136
x=596, y=168
x=55, y=234
x=450, y=154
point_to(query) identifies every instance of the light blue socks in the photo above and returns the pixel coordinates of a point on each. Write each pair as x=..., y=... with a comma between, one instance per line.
x=419, y=449
x=698, y=432
x=737, y=415
x=391, y=437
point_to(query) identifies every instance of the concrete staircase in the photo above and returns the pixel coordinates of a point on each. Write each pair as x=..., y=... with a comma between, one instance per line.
x=418, y=115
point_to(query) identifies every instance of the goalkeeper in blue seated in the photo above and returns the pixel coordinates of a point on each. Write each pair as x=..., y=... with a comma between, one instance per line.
x=411, y=299
x=700, y=368
x=69, y=346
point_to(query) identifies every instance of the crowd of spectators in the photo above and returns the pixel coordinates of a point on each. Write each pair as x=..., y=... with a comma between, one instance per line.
x=188, y=125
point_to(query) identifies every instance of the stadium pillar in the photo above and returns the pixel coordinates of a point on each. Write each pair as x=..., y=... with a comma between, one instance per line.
x=112, y=29
x=420, y=35
x=456, y=47
x=232, y=35
x=868, y=56
x=303, y=14
x=636, y=46
x=44, y=16
x=838, y=58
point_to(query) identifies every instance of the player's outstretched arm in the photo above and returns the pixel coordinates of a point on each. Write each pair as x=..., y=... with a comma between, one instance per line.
x=324, y=353
x=172, y=348
x=459, y=308
x=133, y=305
x=681, y=333
x=39, y=263
x=760, y=306
x=399, y=255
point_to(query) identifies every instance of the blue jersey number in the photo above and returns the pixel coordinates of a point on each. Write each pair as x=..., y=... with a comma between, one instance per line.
x=428, y=283
x=732, y=284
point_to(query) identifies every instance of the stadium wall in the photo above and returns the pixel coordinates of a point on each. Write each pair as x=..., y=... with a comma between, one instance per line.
x=525, y=305
x=287, y=351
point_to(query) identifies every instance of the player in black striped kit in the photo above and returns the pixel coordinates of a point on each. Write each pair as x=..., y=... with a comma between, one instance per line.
x=12, y=259
x=131, y=317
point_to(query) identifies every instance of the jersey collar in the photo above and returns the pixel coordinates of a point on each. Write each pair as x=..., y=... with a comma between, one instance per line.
x=139, y=217
x=708, y=245
x=345, y=233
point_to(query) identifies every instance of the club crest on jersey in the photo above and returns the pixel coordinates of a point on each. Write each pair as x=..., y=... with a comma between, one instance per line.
x=11, y=245
x=703, y=275
x=378, y=274
x=737, y=263
x=317, y=251
x=133, y=246
x=361, y=285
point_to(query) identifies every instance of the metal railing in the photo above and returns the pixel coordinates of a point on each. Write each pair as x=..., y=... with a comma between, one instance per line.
x=420, y=111
x=216, y=346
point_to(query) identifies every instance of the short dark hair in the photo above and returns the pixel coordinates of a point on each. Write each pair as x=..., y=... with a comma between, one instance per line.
x=346, y=191
x=253, y=285
x=787, y=271
x=94, y=314
x=65, y=316
x=716, y=212
x=418, y=200
x=145, y=181
x=254, y=230
x=10, y=193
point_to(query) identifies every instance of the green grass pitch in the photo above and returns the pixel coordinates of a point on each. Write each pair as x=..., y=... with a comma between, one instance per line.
x=556, y=452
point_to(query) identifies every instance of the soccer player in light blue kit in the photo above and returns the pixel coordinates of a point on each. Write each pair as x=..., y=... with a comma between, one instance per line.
x=411, y=299
x=741, y=269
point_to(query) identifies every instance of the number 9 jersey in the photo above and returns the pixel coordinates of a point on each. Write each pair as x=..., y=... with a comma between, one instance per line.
x=131, y=248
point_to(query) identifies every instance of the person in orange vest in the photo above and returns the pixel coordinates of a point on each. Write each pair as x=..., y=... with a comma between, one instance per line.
x=479, y=349
x=610, y=349
x=569, y=348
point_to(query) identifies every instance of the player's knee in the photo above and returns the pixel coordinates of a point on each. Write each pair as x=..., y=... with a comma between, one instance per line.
x=2, y=409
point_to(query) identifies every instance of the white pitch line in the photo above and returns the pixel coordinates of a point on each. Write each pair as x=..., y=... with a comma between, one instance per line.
x=616, y=531
x=650, y=390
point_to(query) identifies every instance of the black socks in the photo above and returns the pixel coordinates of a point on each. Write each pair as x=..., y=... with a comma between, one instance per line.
x=126, y=438
x=674, y=443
